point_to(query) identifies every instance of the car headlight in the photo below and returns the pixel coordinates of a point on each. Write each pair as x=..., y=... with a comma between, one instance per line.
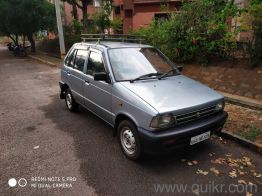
x=220, y=106
x=162, y=121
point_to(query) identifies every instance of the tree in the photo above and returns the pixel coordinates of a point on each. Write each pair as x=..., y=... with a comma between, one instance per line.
x=25, y=17
x=199, y=32
x=255, y=10
x=101, y=18
x=74, y=8
x=82, y=4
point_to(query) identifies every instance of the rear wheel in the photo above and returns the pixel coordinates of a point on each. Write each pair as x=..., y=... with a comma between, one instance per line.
x=129, y=140
x=71, y=104
x=23, y=53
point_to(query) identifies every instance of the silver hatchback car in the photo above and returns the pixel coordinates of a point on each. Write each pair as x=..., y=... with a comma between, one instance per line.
x=142, y=94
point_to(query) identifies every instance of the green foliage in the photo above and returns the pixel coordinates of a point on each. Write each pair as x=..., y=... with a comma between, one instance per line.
x=101, y=18
x=199, y=32
x=49, y=46
x=255, y=49
x=117, y=25
x=77, y=27
x=26, y=17
x=251, y=133
x=82, y=5
x=101, y=21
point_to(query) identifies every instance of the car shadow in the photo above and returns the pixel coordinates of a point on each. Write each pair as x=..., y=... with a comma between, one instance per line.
x=103, y=165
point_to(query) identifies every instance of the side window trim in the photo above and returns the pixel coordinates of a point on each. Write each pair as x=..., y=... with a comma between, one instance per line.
x=68, y=56
x=86, y=62
x=73, y=52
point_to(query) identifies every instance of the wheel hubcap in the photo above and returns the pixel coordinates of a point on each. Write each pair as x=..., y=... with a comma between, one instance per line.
x=69, y=100
x=128, y=140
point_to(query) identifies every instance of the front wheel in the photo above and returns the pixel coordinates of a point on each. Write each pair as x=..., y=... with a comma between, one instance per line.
x=129, y=140
x=71, y=104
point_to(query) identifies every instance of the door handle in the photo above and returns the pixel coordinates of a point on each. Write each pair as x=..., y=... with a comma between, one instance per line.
x=87, y=82
x=68, y=73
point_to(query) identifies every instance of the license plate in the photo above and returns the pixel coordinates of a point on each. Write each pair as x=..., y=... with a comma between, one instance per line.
x=199, y=138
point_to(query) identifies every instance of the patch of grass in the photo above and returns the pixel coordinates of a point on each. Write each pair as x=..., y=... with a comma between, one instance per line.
x=250, y=133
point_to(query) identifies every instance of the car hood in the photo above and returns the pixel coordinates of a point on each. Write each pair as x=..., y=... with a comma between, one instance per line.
x=177, y=94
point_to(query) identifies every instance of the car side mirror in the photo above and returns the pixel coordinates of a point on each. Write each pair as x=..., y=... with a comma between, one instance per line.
x=180, y=68
x=101, y=76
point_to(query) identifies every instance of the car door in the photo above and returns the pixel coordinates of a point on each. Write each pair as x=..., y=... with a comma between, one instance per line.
x=67, y=68
x=98, y=97
x=77, y=80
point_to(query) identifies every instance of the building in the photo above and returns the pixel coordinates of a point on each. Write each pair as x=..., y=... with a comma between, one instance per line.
x=95, y=6
x=139, y=13
x=133, y=13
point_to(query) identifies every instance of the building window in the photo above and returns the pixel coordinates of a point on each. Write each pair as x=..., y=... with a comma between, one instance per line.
x=128, y=13
x=162, y=16
x=117, y=10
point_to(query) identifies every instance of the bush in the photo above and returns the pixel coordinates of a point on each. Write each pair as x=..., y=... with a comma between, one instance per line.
x=199, y=32
x=255, y=10
x=49, y=46
x=117, y=25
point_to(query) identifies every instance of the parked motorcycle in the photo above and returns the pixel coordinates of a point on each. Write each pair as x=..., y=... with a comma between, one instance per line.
x=19, y=50
x=10, y=46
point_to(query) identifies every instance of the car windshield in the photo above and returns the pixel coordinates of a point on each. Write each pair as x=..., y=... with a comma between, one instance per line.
x=131, y=63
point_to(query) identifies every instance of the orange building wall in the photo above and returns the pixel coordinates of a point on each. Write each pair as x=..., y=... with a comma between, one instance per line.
x=68, y=16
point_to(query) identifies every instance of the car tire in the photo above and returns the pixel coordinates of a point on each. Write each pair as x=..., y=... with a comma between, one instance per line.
x=129, y=140
x=71, y=104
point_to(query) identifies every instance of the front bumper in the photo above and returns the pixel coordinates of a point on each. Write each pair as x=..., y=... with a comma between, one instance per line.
x=158, y=141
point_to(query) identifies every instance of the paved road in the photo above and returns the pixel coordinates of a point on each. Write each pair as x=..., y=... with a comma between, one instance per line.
x=40, y=138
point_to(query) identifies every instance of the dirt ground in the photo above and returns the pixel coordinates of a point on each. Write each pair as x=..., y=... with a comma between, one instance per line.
x=232, y=77
x=244, y=122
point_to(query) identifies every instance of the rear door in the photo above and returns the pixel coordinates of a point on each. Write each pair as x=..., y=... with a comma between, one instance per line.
x=77, y=80
x=67, y=68
x=98, y=94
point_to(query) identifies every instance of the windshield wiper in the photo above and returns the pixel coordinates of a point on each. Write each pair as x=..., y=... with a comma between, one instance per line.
x=146, y=76
x=167, y=73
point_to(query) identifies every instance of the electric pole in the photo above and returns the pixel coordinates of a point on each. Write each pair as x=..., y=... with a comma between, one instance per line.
x=60, y=28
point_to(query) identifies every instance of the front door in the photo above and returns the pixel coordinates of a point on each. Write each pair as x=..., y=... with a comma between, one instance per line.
x=98, y=94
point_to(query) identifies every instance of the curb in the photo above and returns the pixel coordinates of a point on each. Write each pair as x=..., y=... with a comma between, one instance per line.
x=43, y=61
x=244, y=142
x=242, y=101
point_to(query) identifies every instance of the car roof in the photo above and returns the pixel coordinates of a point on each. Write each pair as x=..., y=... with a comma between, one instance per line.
x=108, y=44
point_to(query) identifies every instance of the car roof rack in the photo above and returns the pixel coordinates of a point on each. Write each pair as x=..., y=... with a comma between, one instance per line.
x=113, y=37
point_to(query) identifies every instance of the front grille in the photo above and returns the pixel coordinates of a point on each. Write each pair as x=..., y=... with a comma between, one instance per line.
x=195, y=115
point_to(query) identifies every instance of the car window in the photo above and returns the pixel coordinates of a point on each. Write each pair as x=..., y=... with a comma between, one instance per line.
x=130, y=63
x=70, y=59
x=80, y=58
x=95, y=63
